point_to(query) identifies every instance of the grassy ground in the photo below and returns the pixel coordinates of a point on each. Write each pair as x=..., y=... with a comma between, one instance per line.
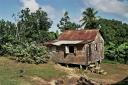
x=10, y=72
x=106, y=61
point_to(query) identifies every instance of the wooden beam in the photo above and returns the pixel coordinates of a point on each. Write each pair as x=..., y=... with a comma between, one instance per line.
x=81, y=67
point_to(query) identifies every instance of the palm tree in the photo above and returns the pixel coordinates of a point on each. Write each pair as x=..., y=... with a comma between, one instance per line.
x=89, y=19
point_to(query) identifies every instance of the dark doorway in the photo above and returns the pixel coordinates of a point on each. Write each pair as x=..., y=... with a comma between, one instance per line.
x=71, y=49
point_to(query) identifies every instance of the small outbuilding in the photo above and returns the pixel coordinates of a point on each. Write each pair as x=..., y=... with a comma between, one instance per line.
x=81, y=47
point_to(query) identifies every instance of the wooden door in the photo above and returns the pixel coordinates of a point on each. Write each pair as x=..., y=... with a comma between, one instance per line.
x=88, y=53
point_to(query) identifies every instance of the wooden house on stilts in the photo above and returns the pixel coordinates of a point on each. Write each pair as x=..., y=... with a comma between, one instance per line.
x=81, y=47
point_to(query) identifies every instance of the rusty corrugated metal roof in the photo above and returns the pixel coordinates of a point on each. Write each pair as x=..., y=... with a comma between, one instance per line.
x=85, y=35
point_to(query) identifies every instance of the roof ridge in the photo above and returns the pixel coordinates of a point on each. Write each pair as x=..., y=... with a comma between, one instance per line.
x=82, y=30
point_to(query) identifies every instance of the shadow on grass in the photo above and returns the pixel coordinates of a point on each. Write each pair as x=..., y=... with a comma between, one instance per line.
x=123, y=82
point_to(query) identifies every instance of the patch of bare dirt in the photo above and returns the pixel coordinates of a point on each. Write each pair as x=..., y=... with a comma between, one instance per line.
x=65, y=69
x=73, y=77
x=68, y=80
x=70, y=71
x=40, y=81
x=74, y=81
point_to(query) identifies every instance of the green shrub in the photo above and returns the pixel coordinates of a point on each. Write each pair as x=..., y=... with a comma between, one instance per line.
x=27, y=53
x=117, y=52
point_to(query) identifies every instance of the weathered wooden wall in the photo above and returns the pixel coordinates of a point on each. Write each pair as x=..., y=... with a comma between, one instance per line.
x=96, y=55
x=72, y=58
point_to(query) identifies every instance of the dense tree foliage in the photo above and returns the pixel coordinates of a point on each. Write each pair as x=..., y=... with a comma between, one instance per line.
x=33, y=26
x=89, y=19
x=17, y=39
x=116, y=37
x=7, y=28
x=114, y=31
x=66, y=24
x=7, y=33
